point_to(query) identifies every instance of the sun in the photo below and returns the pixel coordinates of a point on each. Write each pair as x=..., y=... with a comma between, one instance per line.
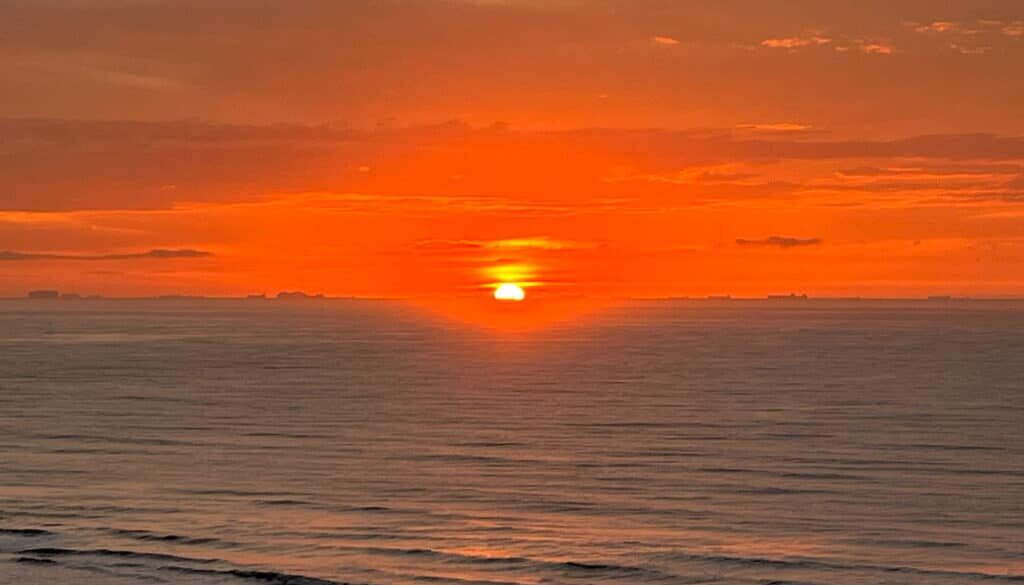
x=509, y=292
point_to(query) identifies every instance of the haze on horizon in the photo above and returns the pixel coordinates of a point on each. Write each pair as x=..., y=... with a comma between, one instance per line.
x=581, y=148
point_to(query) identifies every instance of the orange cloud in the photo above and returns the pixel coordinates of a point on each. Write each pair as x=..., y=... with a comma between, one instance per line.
x=777, y=127
x=796, y=42
x=875, y=48
x=938, y=26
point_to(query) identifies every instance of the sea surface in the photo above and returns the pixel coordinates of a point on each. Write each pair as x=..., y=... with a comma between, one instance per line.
x=321, y=442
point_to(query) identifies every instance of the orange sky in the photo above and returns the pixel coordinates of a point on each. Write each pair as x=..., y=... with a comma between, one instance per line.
x=589, y=149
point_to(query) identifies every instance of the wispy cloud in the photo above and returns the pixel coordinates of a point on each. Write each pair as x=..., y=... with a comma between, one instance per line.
x=9, y=255
x=1011, y=28
x=780, y=242
x=796, y=42
x=874, y=48
x=732, y=174
x=969, y=50
x=127, y=166
x=135, y=80
x=938, y=26
x=533, y=243
x=841, y=44
x=776, y=127
x=971, y=37
x=868, y=47
x=665, y=41
x=1014, y=29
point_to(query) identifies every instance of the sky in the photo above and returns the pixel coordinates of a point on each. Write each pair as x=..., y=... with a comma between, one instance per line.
x=584, y=149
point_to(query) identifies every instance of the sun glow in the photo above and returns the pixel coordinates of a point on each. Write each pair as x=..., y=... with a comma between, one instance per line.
x=509, y=292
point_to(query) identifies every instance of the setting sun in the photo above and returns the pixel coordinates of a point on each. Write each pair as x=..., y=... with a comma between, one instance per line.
x=509, y=292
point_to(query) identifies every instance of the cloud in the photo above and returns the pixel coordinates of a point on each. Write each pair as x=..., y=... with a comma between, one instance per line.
x=180, y=253
x=817, y=40
x=534, y=243
x=135, y=80
x=9, y=255
x=934, y=170
x=796, y=42
x=1014, y=29
x=780, y=242
x=969, y=50
x=665, y=41
x=938, y=26
x=924, y=183
x=175, y=132
x=970, y=37
x=732, y=174
x=132, y=165
x=777, y=127
x=537, y=243
x=874, y=48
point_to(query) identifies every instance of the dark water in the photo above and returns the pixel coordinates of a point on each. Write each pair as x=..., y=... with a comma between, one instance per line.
x=327, y=442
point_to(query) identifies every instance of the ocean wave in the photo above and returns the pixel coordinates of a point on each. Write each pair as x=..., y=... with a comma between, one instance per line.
x=267, y=577
x=47, y=552
x=35, y=561
x=162, y=563
x=30, y=532
x=145, y=535
x=579, y=568
x=828, y=565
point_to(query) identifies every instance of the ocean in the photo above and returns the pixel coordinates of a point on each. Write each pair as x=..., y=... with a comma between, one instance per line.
x=325, y=442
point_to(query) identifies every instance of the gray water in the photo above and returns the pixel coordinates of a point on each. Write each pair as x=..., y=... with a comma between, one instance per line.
x=678, y=442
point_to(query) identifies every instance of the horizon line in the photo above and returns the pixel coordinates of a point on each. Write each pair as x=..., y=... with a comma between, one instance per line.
x=304, y=297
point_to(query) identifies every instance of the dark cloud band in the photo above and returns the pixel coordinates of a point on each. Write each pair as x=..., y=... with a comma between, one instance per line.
x=780, y=242
x=8, y=255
